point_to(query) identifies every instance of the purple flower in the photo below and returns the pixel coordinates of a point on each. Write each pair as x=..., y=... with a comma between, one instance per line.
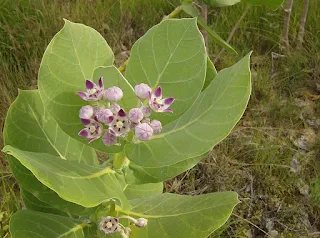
x=113, y=94
x=135, y=115
x=142, y=90
x=104, y=116
x=93, y=130
x=109, y=225
x=114, y=108
x=94, y=92
x=143, y=131
x=86, y=112
x=158, y=104
x=146, y=111
x=156, y=126
x=109, y=138
x=120, y=124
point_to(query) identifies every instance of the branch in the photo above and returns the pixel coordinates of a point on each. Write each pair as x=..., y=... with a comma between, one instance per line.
x=302, y=24
x=286, y=25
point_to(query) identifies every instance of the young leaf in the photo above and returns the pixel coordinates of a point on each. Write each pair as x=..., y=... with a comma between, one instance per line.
x=70, y=59
x=82, y=184
x=134, y=191
x=112, y=77
x=171, y=55
x=32, y=203
x=209, y=120
x=222, y=3
x=211, y=73
x=31, y=224
x=29, y=127
x=273, y=4
x=171, y=215
x=191, y=10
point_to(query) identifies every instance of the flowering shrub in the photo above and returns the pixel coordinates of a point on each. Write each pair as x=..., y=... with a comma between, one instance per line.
x=154, y=122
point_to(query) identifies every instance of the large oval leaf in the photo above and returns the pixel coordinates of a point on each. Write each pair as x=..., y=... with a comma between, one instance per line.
x=70, y=59
x=31, y=224
x=32, y=203
x=29, y=127
x=172, y=215
x=134, y=191
x=209, y=120
x=171, y=54
x=41, y=192
x=82, y=184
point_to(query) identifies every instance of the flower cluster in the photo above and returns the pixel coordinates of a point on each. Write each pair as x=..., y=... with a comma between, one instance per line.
x=111, y=225
x=112, y=122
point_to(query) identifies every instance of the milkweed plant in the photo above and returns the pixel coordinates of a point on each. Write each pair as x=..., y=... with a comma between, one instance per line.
x=150, y=121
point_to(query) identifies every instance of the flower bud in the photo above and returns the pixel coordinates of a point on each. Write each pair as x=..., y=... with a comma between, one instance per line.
x=143, y=131
x=86, y=112
x=142, y=90
x=113, y=94
x=156, y=126
x=146, y=111
x=114, y=108
x=141, y=222
x=104, y=115
x=135, y=115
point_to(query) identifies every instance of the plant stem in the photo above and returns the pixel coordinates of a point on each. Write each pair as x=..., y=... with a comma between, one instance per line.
x=173, y=14
x=233, y=31
x=119, y=160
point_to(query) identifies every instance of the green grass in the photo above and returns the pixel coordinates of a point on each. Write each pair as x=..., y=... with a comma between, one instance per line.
x=255, y=159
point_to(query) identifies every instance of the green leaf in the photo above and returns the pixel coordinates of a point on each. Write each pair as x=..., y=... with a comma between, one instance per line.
x=171, y=215
x=155, y=174
x=31, y=224
x=222, y=3
x=209, y=120
x=273, y=4
x=33, y=203
x=29, y=127
x=211, y=73
x=113, y=77
x=134, y=191
x=29, y=182
x=171, y=55
x=191, y=10
x=82, y=184
x=71, y=58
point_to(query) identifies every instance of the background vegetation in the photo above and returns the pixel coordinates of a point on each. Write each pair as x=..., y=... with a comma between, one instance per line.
x=272, y=157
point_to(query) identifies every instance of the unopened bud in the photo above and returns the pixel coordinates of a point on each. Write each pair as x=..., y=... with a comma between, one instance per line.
x=156, y=126
x=113, y=94
x=86, y=112
x=135, y=115
x=142, y=90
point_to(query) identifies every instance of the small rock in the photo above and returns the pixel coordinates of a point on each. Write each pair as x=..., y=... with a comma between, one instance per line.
x=273, y=233
x=303, y=188
x=269, y=225
x=295, y=165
